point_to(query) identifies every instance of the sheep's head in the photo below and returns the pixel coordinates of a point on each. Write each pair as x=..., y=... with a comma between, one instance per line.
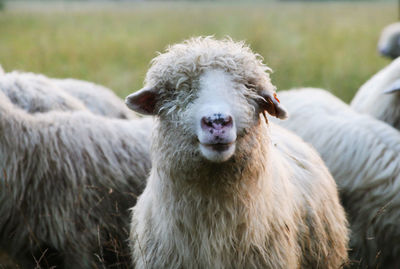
x=389, y=41
x=390, y=76
x=212, y=91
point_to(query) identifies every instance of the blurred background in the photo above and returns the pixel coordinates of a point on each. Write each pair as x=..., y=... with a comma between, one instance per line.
x=328, y=44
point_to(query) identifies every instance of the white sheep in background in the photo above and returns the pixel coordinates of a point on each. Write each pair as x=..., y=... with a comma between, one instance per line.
x=380, y=95
x=227, y=189
x=363, y=155
x=97, y=98
x=389, y=41
x=67, y=182
x=38, y=93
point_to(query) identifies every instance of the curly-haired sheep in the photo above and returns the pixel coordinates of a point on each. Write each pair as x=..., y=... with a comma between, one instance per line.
x=380, y=95
x=38, y=93
x=228, y=190
x=67, y=182
x=363, y=155
x=389, y=41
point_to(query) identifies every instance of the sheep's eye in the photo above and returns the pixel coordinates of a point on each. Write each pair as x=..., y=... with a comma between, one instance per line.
x=250, y=86
x=262, y=102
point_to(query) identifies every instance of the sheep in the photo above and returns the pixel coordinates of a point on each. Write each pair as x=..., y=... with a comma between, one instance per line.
x=362, y=154
x=380, y=95
x=67, y=181
x=226, y=189
x=389, y=41
x=38, y=93
x=97, y=98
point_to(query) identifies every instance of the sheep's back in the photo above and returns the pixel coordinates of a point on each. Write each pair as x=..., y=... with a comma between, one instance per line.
x=97, y=98
x=36, y=93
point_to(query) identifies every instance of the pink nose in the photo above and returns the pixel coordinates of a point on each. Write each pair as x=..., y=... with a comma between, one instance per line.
x=217, y=124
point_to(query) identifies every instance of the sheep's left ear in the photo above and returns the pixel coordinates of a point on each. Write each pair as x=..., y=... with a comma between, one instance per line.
x=143, y=101
x=272, y=104
x=394, y=87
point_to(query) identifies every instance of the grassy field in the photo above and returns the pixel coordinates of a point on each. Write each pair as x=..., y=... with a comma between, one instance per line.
x=329, y=45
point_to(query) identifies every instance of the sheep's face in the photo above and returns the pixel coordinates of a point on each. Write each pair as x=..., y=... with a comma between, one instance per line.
x=218, y=114
x=389, y=42
x=208, y=94
x=210, y=112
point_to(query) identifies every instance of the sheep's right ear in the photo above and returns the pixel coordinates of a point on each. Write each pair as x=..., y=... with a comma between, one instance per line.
x=143, y=101
x=394, y=87
x=272, y=105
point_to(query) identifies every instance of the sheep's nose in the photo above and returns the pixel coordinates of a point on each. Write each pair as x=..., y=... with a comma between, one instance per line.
x=217, y=122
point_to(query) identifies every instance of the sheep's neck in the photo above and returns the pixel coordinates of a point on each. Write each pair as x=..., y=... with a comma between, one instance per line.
x=190, y=184
x=386, y=106
x=183, y=169
x=221, y=211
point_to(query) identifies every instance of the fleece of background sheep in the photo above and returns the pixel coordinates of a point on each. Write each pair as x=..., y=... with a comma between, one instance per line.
x=67, y=180
x=371, y=99
x=363, y=156
x=38, y=93
x=98, y=99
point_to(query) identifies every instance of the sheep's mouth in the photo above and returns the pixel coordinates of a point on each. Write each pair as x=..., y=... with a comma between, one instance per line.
x=219, y=146
x=217, y=150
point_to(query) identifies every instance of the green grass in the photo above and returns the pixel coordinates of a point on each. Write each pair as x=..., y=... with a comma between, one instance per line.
x=329, y=45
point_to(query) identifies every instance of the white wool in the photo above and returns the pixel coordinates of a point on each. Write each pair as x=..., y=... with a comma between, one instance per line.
x=380, y=95
x=362, y=154
x=67, y=181
x=96, y=98
x=38, y=93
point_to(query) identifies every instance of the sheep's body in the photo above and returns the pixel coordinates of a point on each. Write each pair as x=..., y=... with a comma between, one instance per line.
x=67, y=180
x=380, y=95
x=389, y=41
x=37, y=93
x=271, y=204
x=362, y=154
x=96, y=98
x=270, y=216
